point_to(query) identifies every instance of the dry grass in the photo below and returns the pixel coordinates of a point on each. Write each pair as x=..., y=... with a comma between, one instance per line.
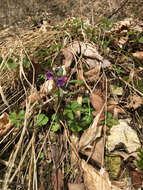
x=31, y=157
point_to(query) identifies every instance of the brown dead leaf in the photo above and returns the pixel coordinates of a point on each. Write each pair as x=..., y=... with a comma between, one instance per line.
x=135, y=101
x=72, y=186
x=138, y=55
x=93, y=74
x=120, y=184
x=122, y=25
x=90, y=134
x=116, y=110
x=85, y=49
x=95, y=180
x=97, y=102
x=57, y=180
x=136, y=178
x=4, y=124
x=96, y=153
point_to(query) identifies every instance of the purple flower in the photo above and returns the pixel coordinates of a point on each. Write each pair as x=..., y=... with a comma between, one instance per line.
x=61, y=81
x=50, y=75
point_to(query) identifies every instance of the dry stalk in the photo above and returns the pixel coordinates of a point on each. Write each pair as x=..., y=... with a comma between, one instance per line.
x=22, y=160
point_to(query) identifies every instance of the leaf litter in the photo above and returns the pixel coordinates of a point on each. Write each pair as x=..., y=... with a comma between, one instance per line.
x=90, y=101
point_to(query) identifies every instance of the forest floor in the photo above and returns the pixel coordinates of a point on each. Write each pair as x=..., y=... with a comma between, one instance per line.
x=71, y=106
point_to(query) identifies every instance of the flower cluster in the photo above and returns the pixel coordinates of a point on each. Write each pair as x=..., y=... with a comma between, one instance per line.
x=60, y=81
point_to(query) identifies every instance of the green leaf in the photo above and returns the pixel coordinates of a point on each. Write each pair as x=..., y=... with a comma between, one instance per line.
x=1, y=59
x=21, y=114
x=114, y=122
x=109, y=115
x=55, y=127
x=75, y=128
x=85, y=100
x=26, y=63
x=12, y=65
x=140, y=40
x=41, y=76
x=48, y=63
x=76, y=81
x=54, y=117
x=59, y=73
x=75, y=106
x=70, y=115
x=12, y=115
x=41, y=155
x=67, y=111
x=42, y=120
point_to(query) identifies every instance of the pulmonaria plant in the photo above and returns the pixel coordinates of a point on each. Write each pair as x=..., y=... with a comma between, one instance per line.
x=50, y=75
x=60, y=81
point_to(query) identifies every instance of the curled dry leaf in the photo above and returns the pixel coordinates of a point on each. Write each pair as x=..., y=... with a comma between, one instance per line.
x=72, y=186
x=135, y=101
x=116, y=110
x=95, y=180
x=136, y=177
x=57, y=180
x=45, y=89
x=97, y=102
x=121, y=25
x=92, y=133
x=4, y=124
x=95, y=152
x=74, y=140
x=93, y=74
x=138, y=55
x=120, y=184
x=85, y=49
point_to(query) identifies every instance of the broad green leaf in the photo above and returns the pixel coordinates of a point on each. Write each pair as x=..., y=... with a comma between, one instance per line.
x=41, y=155
x=140, y=40
x=114, y=122
x=42, y=120
x=75, y=106
x=54, y=117
x=75, y=128
x=70, y=115
x=109, y=115
x=21, y=114
x=26, y=63
x=59, y=73
x=55, y=127
x=67, y=111
x=85, y=100
x=13, y=65
x=76, y=81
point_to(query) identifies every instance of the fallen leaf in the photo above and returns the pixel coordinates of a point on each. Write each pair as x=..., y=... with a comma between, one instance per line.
x=74, y=140
x=96, y=153
x=95, y=180
x=93, y=74
x=4, y=124
x=116, y=90
x=57, y=180
x=116, y=110
x=120, y=184
x=135, y=101
x=81, y=48
x=136, y=177
x=97, y=102
x=90, y=134
x=72, y=186
x=138, y=55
